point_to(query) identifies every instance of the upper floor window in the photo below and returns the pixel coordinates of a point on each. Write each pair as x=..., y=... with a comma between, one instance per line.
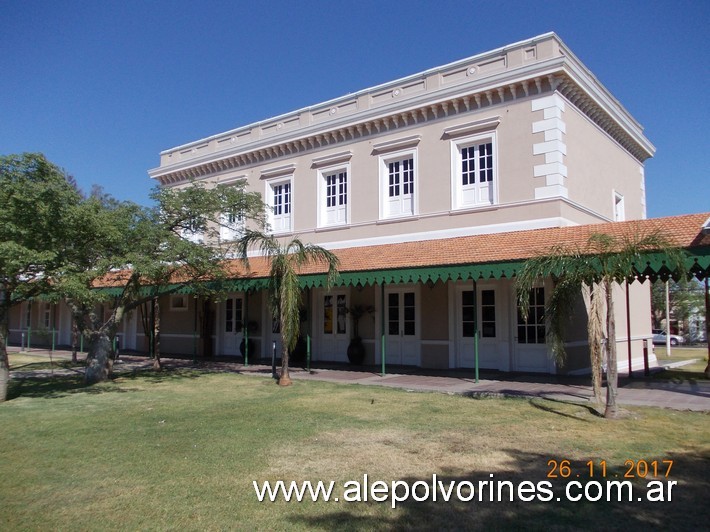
x=474, y=172
x=194, y=230
x=398, y=176
x=280, y=200
x=232, y=225
x=334, y=196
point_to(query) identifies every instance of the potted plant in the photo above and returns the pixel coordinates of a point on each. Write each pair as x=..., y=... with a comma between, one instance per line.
x=356, y=349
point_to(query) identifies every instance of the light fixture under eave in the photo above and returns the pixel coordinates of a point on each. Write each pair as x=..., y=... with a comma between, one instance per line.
x=706, y=227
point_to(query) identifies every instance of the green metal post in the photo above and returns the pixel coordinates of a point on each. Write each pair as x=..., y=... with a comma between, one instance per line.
x=308, y=352
x=382, y=320
x=53, y=332
x=475, y=327
x=29, y=335
x=194, y=334
x=308, y=334
x=151, y=335
x=246, y=328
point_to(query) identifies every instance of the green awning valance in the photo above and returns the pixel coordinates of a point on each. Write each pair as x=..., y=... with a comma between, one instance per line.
x=418, y=275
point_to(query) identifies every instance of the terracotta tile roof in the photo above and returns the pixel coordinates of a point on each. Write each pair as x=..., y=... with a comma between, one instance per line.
x=683, y=231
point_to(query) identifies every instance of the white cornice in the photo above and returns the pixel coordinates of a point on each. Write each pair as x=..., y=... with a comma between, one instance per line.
x=482, y=57
x=492, y=83
x=331, y=158
x=484, y=124
x=559, y=72
x=277, y=171
x=396, y=144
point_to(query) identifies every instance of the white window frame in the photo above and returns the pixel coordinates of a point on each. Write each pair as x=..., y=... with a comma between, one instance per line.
x=178, y=303
x=47, y=316
x=483, y=196
x=232, y=226
x=193, y=235
x=338, y=214
x=339, y=319
x=282, y=222
x=385, y=202
x=234, y=314
x=619, y=207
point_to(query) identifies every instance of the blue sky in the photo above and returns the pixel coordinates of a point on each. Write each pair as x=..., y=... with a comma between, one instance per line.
x=102, y=87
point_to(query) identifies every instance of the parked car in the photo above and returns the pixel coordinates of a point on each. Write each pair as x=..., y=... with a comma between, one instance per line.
x=659, y=338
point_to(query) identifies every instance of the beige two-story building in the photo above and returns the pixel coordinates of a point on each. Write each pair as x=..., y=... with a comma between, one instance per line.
x=432, y=189
x=519, y=138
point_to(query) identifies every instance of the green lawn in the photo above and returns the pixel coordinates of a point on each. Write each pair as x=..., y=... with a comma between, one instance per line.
x=692, y=371
x=179, y=450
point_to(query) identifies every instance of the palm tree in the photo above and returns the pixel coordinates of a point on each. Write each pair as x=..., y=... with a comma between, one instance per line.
x=286, y=261
x=590, y=271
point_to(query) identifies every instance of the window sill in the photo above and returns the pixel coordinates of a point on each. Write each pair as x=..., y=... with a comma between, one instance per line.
x=470, y=209
x=328, y=228
x=410, y=218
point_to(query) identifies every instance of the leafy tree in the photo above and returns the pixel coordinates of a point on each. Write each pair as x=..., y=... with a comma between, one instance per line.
x=37, y=209
x=139, y=253
x=686, y=297
x=592, y=268
x=285, y=261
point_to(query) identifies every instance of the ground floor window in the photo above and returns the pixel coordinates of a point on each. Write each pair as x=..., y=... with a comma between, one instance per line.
x=488, y=314
x=468, y=314
x=233, y=314
x=401, y=314
x=532, y=330
x=334, y=314
x=47, y=315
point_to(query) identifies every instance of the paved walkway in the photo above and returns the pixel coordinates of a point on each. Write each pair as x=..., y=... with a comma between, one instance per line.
x=686, y=395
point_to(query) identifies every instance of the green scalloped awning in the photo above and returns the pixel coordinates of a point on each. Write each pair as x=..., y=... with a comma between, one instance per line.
x=418, y=275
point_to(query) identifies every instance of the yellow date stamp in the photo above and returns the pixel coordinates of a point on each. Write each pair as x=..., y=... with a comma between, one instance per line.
x=564, y=468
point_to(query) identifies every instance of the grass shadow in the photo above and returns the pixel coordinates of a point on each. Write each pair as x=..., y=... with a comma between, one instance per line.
x=680, y=377
x=53, y=387
x=539, y=403
x=498, y=504
x=48, y=366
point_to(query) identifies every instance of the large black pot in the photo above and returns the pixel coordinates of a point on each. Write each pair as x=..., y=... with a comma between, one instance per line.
x=356, y=351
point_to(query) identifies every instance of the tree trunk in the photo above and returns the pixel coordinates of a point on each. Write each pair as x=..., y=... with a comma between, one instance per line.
x=4, y=361
x=156, y=336
x=74, y=341
x=98, y=360
x=612, y=379
x=595, y=332
x=285, y=378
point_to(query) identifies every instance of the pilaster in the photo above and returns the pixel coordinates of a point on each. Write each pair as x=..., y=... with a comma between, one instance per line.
x=553, y=147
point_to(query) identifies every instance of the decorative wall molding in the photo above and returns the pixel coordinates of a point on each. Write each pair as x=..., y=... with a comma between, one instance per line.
x=484, y=81
x=553, y=148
